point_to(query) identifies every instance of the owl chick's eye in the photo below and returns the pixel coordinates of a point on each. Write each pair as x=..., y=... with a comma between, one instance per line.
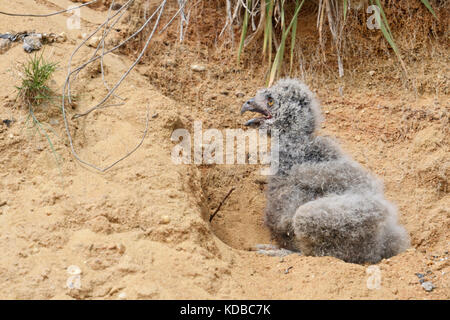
x=270, y=101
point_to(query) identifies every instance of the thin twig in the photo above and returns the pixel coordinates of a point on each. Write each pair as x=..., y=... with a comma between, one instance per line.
x=66, y=89
x=102, y=43
x=46, y=15
x=111, y=92
x=211, y=217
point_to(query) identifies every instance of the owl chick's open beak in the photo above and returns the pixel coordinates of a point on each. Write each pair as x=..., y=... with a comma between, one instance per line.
x=252, y=106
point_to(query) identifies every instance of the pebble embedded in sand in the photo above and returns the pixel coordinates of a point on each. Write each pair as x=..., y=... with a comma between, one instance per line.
x=428, y=286
x=122, y=296
x=5, y=44
x=73, y=270
x=198, y=68
x=32, y=42
x=93, y=42
x=62, y=37
x=169, y=63
x=165, y=219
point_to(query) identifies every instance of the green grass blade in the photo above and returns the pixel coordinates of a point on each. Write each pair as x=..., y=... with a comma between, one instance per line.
x=279, y=56
x=384, y=26
x=345, y=9
x=267, y=46
x=293, y=37
x=383, y=16
x=244, y=31
x=428, y=5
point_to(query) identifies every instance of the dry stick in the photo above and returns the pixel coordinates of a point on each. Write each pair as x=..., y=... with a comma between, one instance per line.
x=228, y=21
x=183, y=18
x=94, y=57
x=89, y=61
x=211, y=217
x=102, y=43
x=111, y=92
x=45, y=15
x=125, y=6
x=66, y=124
x=260, y=28
x=174, y=16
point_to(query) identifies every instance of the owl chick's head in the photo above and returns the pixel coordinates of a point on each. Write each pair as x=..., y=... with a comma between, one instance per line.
x=288, y=106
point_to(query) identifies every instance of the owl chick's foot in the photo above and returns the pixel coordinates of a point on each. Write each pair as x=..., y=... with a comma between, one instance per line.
x=272, y=250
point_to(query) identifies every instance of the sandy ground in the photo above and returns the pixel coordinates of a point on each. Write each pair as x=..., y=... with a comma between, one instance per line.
x=141, y=230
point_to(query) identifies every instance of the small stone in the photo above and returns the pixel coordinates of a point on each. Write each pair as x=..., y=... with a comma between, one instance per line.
x=32, y=42
x=154, y=116
x=93, y=42
x=122, y=296
x=420, y=275
x=371, y=73
x=5, y=44
x=169, y=63
x=165, y=219
x=62, y=37
x=73, y=270
x=198, y=68
x=240, y=94
x=428, y=286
